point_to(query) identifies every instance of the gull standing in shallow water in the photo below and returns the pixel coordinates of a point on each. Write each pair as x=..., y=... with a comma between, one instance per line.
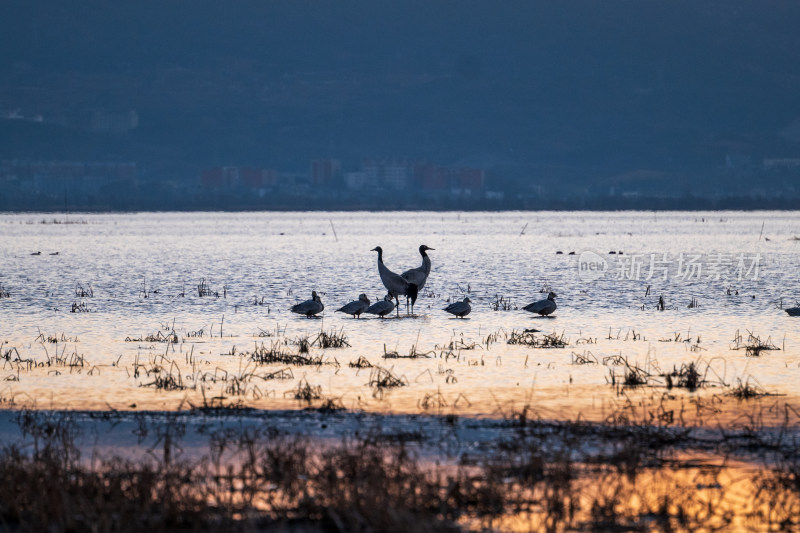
x=381, y=308
x=418, y=276
x=543, y=307
x=309, y=307
x=460, y=309
x=395, y=283
x=356, y=307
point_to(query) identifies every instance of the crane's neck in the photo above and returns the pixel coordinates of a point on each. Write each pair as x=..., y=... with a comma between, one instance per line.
x=383, y=270
x=426, y=263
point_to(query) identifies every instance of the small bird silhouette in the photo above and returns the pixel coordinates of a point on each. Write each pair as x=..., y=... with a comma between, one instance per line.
x=355, y=307
x=381, y=308
x=309, y=307
x=460, y=309
x=543, y=307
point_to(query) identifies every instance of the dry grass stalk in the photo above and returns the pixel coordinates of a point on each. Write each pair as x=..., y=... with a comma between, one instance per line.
x=687, y=377
x=413, y=354
x=331, y=339
x=171, y=337
x=55, y=339
x=275, y=354
x=753, y=346
x=586, y=358
x=382, y=378
x=203, y=289
x=747, y=390
x=80, y=308
x=306, y=392
x=81, y=292
x=528, y=338
x=361, y=362
x=502, y=303
x=284, y=373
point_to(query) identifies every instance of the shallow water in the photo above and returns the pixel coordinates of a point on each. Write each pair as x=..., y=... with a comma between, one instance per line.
x=740, y=268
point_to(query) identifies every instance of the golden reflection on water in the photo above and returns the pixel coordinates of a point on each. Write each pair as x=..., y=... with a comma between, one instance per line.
x=145, y=271
x=707, y=498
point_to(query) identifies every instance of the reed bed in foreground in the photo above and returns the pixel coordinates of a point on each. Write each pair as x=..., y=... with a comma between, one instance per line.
x=539, y=477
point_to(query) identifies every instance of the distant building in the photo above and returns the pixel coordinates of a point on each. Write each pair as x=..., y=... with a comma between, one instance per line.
x=220, y=177
x=471, y=179
x=402, y=175
x=388, y=174
x=324, y=171
x=257, y=178
x=431, y=177
x=233, y=177
x=74, y=176
x=359, y=181
x=455, y=180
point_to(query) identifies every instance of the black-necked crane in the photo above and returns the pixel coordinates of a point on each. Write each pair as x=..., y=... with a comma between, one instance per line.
x=394, y=283
x=418, y=276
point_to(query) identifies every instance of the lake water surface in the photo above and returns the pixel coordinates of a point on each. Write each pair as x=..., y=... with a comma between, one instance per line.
x=722, y=276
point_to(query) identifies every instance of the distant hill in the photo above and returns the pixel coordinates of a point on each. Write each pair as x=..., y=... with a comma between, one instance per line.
x=561, y=94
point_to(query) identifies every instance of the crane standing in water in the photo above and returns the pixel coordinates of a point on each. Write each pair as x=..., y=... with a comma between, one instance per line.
x=395, y=284
x=418, y=276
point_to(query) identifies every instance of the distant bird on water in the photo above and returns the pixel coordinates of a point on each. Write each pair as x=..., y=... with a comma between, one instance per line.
x=418, y=276
x=460, y=309
x=355, y=307
x=543, y=307
x=309, y=307
x=395, y=283
x=381, y=308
